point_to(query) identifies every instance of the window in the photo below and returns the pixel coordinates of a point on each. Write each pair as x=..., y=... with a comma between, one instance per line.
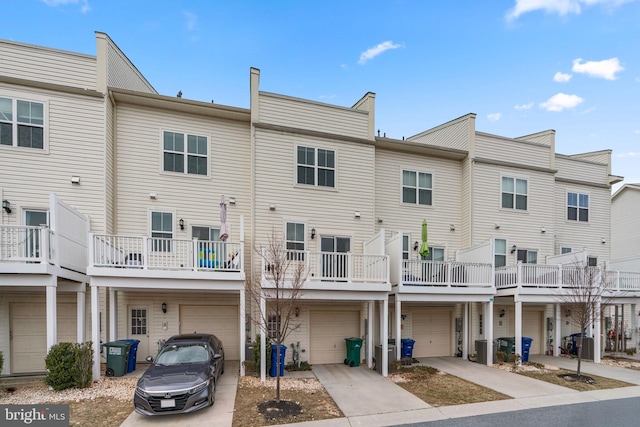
x=273, y=326
x=405, y=247
x=514, y=193
x=191, y=158
x=417, y=188
x=500, y=255
x=206, y=233
x=565, y=250
x=295, y=236
x=32, y=241
x=480, y=328
x=527, y=256
x=592, y=261
x=138, y=321
x=21, y=123
x=162, y=231
x=435, y=254
x=577, y=207
x=316, y=166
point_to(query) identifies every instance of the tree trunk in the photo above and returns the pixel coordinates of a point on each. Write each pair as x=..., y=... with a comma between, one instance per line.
x=278, y=372
x=579, y=353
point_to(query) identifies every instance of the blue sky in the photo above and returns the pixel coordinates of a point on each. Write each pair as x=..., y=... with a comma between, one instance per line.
x=522, y=66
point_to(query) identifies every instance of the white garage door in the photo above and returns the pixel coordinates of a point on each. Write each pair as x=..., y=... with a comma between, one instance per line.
x=220, y=320
x=532, y=328
x=328, y=332
x=29, y=333
x=431, y=330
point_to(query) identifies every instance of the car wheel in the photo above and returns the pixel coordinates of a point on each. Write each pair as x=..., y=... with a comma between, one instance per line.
x=212, y=393
x=110, y=372
x=222, y=369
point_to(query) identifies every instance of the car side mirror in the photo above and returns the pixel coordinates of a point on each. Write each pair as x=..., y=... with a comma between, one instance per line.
x=149, y=359
x=217, y=356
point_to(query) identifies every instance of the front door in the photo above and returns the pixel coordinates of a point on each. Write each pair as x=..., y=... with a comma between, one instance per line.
x=32, y=242
x=335, y=262
x=139, y=330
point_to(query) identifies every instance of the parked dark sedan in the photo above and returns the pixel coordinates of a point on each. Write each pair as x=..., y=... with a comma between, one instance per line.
x=183, y=377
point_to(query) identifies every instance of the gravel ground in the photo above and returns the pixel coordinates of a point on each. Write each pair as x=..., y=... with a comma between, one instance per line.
x=116, y=388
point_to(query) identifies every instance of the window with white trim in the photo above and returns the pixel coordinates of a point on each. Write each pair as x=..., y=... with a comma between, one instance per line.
x=417, y=187
x=577, y=207
x=295, y=236
x=592, y=261
x=191, y=158
x=405, y=247
x=565, y=250
x=514, y=193
x=435, y=254
x=162, y=231
x=21, y=123
x=527, y=256
x=205, y=233
x=316, y=166
x=500, y=255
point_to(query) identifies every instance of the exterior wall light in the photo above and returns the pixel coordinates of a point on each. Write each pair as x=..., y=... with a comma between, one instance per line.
x=6, y=206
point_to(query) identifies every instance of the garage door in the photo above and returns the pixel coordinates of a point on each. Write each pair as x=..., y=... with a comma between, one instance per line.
x=431, y=329
x=532, y=328
x=29, y=333
x=220, y=320
x=328, y=331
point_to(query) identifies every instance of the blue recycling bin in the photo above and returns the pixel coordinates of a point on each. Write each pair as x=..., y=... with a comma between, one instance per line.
x=133, y=352
x=407, y=347
x=274, y=359
x=574, y=342
x=526, y=345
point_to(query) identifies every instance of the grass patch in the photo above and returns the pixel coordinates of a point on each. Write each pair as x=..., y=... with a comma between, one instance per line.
x=439, y=389
x=556, y=377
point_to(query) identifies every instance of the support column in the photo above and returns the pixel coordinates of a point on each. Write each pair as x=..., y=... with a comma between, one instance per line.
x=243, y=332
x=113, y=302
x=95, y=331
x=385, y=333
x=634, y=326
x=80, y=310
x=488, y=329
x=263, y=338
x=597, y=332
x=465, y=331
x=52, y=317
x=370, y=316
x=557, y=331
x=518, y=328
x=398, y=335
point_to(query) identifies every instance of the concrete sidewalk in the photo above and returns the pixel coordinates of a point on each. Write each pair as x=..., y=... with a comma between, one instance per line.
x=587, y=367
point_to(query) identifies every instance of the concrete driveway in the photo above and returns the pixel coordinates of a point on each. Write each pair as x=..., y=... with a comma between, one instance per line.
x=218, y=415
x=587, y=367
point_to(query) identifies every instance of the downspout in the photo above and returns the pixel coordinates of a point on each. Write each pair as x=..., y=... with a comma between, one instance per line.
x=114, y=149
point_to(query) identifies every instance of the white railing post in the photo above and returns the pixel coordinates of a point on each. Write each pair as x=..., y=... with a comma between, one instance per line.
x=145, y=252
x=519, y=274
x=91, y=250
x=350, y=267
x=43, y=255
x=449, y=278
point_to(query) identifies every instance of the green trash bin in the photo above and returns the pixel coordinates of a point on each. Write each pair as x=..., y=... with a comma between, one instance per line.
x=507, y=345
x=353, y=351
x=117, y=358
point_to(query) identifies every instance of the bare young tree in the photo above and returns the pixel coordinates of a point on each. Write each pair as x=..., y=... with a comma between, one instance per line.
x=584, y=296
x=280, y=285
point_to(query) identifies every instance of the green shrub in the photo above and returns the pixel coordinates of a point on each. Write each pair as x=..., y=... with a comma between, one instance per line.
x=69, y=365
x=500, y=356
x=256, y=353
x=304, y=366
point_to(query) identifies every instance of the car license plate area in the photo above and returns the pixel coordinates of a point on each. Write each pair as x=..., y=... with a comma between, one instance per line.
x=168, y=403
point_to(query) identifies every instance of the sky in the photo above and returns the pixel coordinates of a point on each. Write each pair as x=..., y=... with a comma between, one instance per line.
x=523, y=66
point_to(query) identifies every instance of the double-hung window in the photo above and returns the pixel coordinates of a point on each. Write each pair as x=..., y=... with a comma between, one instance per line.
x=316, y=166
x=294, y=240
x=191, y=157
x=578, y=207
x=21, y=123
x=514, y=193
x=500, y=255
x=417, y=188
x=161, y=231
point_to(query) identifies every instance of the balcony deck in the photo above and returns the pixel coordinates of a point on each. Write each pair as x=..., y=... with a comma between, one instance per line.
x=446, y=277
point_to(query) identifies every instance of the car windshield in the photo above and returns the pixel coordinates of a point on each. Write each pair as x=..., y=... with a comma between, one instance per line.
x=176, y=354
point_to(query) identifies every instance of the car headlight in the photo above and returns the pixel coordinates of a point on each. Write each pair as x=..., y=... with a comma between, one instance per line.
x=140, y=392
x=199, y=387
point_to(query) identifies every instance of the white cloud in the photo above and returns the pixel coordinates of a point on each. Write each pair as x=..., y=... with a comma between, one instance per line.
x=377, y=50
x=561, y=7
x=524, y=106
x=561, y=77
x=191, y=20
x=637, y=131
x=494, y=117
x=561, y=101
x=630, y=154
x=84, y=4
x=327, y=96
x=605, y=69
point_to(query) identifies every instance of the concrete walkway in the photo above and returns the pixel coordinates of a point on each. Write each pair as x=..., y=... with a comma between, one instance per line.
x=218, y=415
x=586, y=367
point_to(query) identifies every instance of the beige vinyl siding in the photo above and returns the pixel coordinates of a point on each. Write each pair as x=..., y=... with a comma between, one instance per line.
x=581, y=170
x=603, y=157
x=511, y=150
x=625, y=223
x=329, y=210
x=544, y=138
x=466, y=204
x=589, y=235
x=74, y=145
x=314, y=116
x=122, y=73
x=446, y=205
x=194, y=198
x=47, y=65
x=521, y=228
x=453, y=134
x=109, y=164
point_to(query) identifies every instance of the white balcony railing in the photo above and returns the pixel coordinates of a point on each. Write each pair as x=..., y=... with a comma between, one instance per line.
x=336, y=267
x=446, y=273
x=562, y=276
x=112, y=251
x=26, y=244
